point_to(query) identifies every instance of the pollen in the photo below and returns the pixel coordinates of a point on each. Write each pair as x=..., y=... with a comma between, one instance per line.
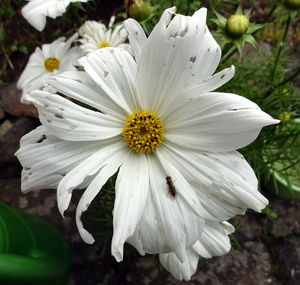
x=52, y=63
x=143, y=131
x=104, y=44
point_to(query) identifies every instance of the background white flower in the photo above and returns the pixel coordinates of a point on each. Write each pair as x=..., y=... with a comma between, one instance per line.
x=52, y=58
x=154, y=117
x=36, y=11
x=95, y=35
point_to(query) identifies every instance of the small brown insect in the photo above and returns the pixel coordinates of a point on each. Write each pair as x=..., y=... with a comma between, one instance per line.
x=171, y=187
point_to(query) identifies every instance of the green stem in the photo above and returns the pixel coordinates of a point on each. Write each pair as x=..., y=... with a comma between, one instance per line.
x=229, y=53
x=270, y=13
x=281, y=44
x=287, y=80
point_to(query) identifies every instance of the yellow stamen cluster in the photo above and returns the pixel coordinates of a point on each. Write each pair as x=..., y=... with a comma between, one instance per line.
x=143, y=131
x=104, y=44
x=52, y=63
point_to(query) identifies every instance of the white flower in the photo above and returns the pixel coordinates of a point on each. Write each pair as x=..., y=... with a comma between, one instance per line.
x=95, y=35
x=156, y=122
x=35, y=11
x=51, y=59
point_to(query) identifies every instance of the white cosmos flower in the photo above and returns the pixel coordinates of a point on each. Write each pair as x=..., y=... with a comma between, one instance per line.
x=157, y=122
x=52, y=58
x=36, y=11
x=95, y=35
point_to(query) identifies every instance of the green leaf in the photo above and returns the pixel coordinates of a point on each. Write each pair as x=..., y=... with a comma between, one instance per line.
x=2, y=34
x=23, y=49
x=13, y=48
x=270, y=213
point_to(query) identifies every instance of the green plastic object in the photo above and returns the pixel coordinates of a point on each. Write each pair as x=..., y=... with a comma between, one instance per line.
x=31, y=250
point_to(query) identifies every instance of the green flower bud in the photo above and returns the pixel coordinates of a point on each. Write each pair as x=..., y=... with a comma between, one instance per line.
x=293, y=4
x=284, y=117
x=237, y=25
x=138, y=9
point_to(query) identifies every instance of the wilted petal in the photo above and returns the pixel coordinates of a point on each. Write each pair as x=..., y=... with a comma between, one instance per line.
x=166, y=57
x=86, y=168
x=114, y=71
x=69, y=121
x=178, y=269
x=132, y=189
x=110, y=167
x=224, y=182
x=137, y=37
x=170, y=218
x=79, y=86
x=214, y=240
x=47, y=159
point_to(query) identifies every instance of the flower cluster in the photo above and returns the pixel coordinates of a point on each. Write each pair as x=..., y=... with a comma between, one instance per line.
x=59, y=56
x=157, y=122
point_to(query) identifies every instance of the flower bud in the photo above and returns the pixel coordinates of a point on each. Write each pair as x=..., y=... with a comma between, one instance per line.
x=293, y=4
x=284, y=117
x=237, y=25
x=138, y=9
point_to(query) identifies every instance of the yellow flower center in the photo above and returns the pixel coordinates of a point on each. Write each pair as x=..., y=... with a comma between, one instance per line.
x=143, y=131
x=104, y=44
x=52, y=63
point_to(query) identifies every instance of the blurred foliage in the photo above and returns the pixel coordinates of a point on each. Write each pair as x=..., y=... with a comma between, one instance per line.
x=253, y=80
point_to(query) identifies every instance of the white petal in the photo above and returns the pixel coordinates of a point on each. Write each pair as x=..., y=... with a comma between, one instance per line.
x=114, y=70
x=182, y=186
x=93, y=28
x=61, y=48
x=33, y=72
x=168, y=223
x=136, y=36
x=168, y=58
x=88, y=167
x=47, y=159
x=180, y=270
x=69, y=60
x=70, y=121
x=214, y=240
x=224, y=182
x=210, y=83
x=79, y=86
x=110, y=168
x=208, y=57
x=132, y=189
x=216, y=122
x=35, y=11
x=197, y=88
x=118, y=35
